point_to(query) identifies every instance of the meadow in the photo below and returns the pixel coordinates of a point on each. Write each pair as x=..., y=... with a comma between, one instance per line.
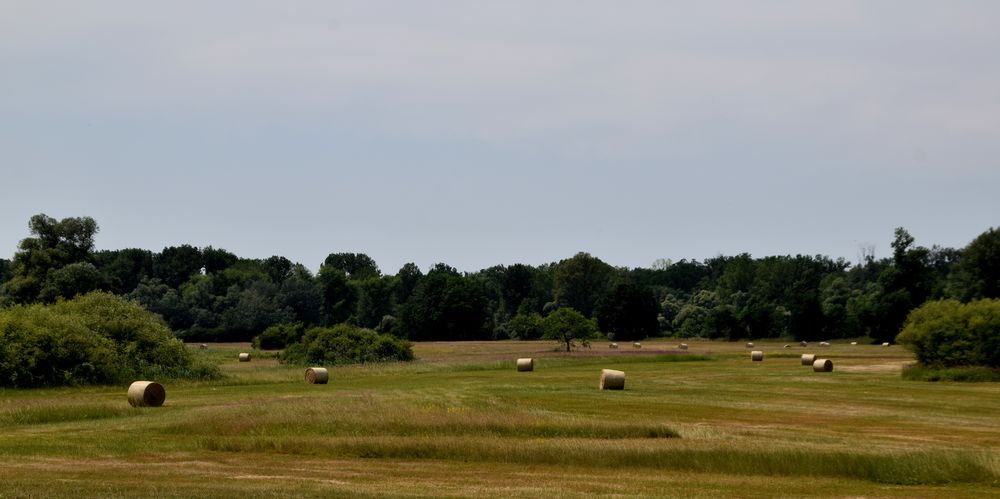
x=461, y=421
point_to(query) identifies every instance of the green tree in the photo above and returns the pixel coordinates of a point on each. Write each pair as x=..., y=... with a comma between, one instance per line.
x=122, y=270
x=444, y=306
x=54, y=245
x=567, y=326
x=374, y=300
x=407, y=278
x=217, y=259
x=902, y=286
x=339, y=298
x=580, y=281
x=176, y=264
x=70, y=280
x=977, y=274
x=629, y=312
x=948, y=333
x=354, y=265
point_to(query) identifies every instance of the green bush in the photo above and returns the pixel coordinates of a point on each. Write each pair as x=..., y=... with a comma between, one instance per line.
x=346, y=344
x=96, y=338
x=947, y=333
x=279, y=336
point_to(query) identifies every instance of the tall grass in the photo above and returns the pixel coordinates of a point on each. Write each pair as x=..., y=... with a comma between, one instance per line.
x=913, y=468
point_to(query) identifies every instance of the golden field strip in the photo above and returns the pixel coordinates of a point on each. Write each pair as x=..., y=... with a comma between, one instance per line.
x=461, y=421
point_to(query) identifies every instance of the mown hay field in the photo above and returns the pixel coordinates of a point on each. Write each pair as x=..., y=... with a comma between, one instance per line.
x=462, y=421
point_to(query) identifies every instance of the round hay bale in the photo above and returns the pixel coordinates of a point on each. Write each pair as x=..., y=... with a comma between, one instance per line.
x=683, y=346
x=803, y=344
x=824, y=344
x=756, y=356
x=612, y=379
x=637, y=345
x=808, y=359
x=854, y=343
x=203, y=346
x=749, y=344
x=244, y=357
x=146, y=394
x=612, y=345
x=823, y=365
x=787, y=345
x=885, y=344
x=317, y=376
x=525, y=364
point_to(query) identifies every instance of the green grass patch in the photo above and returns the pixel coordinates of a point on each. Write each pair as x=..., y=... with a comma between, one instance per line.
x=976, y=374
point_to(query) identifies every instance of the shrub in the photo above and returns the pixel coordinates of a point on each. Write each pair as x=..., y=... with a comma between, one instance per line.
x=95, y=338
x=346, y=344
x=279, y=336
x=526, y=327
x=947, y=333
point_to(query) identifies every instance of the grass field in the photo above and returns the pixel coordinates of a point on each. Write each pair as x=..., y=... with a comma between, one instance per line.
x=460, y=421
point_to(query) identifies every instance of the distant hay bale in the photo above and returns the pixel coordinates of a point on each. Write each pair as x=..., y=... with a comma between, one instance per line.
x=683, y=346
x=203, y=346
x=749, y=344
x=885, y=344
x=525, y=364
x=803, y=344
x=756, y=356
x=612, y=345
x=824, y=344
x=244, y=357
x=808, y=359
x=612, y=380
x=637, y=345
x=854, y=343
x=317, y=376
x=822, y=365
x=146, y=394
x=787, y=345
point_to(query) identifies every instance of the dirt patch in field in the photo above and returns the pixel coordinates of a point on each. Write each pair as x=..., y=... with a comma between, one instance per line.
x=891, y=367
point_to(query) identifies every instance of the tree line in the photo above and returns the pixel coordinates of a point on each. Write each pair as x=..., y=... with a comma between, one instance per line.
x=210, y=294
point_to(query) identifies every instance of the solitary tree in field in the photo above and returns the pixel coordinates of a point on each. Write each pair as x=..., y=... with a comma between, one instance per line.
x=567, y=326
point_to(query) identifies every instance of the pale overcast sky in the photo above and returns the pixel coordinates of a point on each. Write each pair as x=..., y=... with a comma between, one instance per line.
x=494, y=132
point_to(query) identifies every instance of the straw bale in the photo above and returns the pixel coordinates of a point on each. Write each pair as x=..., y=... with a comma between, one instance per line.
x=612, y=345
x=824, y=344
x=244, y=357
x=683, y=346
x=885, y=344
x=146, y=394
x=612, y=379
x=749, y=344
x=808, y=359
x=822, y=365
x=317, y=376
x=756, y=355
x=203, y=346
x=525, y=364
x=637, y=345
x=854, y=343
x=803, y=344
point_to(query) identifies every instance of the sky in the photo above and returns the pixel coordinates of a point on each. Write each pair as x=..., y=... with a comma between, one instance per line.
x=478, y=133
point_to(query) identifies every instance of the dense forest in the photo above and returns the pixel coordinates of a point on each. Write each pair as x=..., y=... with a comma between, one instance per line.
x=210, y=294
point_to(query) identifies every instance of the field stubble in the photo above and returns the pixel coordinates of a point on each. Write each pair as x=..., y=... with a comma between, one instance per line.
x=461, y=421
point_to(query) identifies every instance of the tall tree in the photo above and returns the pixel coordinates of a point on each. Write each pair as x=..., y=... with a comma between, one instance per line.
x=445, y=306
x=354, y=265
x=628, y=311
x=580, y=281
x=55, y=244
x=123, y=269
x=977, y=274
x=176, y=264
